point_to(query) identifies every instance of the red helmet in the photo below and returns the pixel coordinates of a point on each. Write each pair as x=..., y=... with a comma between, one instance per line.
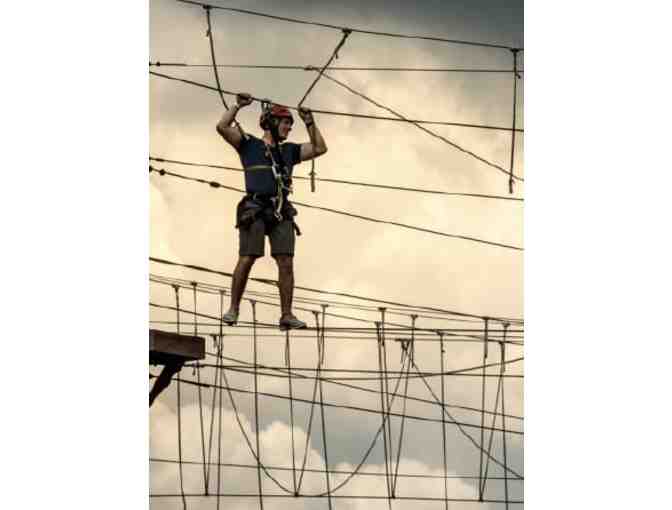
x=277, y=111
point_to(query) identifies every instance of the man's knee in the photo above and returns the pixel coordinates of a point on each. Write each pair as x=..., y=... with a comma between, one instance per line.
x=246, y=261
x=285, y=262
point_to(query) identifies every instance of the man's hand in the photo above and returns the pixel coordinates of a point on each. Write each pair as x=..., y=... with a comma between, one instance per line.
x=243, y=99
x=306, y=116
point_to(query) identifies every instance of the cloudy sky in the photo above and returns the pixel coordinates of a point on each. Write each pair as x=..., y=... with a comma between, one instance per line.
x=193, y=224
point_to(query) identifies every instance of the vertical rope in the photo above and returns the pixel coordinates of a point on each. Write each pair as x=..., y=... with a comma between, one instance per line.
x=443, y=422
x=383, y=407
x=513, y=127
x=256, y=400
x=346, y=33
x=320, y=356
x=502, y=346
x=492, y=431
x=179, y=406
x=214, y=68
x=220, y=362
x=288, y=364
x=387, y=393
x=324, y=426
x=408, y=350
x=197, y=369
x=485, y=356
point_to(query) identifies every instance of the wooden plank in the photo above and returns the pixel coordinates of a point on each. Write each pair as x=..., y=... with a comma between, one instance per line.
x=169, y=348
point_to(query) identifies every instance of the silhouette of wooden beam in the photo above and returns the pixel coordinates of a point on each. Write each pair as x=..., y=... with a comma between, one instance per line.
x=171, y=350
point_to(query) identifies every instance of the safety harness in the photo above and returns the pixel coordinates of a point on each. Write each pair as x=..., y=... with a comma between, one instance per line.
x=255, y=205
x=283, y=182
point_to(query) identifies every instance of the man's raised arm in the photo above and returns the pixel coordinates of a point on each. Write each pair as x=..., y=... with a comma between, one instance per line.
x=317, y=146
x=225, y=128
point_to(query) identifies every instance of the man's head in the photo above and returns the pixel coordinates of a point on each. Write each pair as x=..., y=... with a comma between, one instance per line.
x=280, y=117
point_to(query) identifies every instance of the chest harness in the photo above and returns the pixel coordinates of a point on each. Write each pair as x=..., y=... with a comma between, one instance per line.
x=283, y=182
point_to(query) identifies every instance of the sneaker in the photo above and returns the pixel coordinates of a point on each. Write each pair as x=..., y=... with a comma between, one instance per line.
x=230, y=317
x=291, y=323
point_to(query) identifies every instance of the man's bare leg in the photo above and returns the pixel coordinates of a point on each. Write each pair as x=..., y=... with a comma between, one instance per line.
x=240, y=276
x=286, y=284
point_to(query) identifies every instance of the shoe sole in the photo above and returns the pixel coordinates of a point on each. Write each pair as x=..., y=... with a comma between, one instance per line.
x=287, y=328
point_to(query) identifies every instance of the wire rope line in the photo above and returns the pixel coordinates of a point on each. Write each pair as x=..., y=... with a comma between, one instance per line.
x=212, y=289
x=345, y=496
x=353, y=183
x=443, y=423
x=312, y=407
x=418, y=123
x=352, y=474
x=219, y=370
x=429, y=132
x=334, y=471
x=179, y=407
x=216, y=184
x=447, y=331
x=416, y=399
x=459, y=426
x=288, y=362
x=269, y=326
x=197, y=370
x=484, y=482
x=485, y=357
x=320, y=357
x=214, y=68
x=336, y=304
x=335, y=113
x=407, y=347
x=247, y=440
x=256, y=402
x=383, y=415
x=311, y=68
x=334, y=55
x=513, y=126
x=329, y=292
x=354, y=30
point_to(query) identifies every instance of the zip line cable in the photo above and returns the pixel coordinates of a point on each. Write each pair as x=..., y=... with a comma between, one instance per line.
x=340, y=181
x=328, y=292
x=340, y=114
x=215, y=184
x=354, y=30
x=335, y=68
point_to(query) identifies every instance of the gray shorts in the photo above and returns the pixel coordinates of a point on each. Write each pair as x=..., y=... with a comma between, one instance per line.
x=281, y=236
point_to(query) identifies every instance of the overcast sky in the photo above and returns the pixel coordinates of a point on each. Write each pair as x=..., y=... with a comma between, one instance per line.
x=193, y=224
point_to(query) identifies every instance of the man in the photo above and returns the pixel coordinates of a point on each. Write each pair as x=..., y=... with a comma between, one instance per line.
x=265, y=210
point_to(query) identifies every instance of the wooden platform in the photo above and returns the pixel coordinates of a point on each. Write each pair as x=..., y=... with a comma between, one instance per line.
x=166, y=348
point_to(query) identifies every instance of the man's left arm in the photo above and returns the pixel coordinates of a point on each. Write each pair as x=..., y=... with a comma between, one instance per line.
x=317, y=146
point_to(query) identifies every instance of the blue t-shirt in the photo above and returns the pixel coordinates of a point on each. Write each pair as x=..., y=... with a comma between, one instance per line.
x=257, y=165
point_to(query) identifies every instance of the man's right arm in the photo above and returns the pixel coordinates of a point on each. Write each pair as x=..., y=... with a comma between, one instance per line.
x=231, y=133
